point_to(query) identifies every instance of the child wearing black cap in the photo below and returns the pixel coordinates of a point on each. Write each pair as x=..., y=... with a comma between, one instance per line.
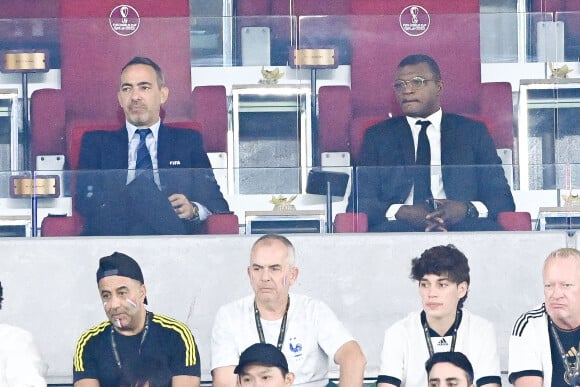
x=263, y=365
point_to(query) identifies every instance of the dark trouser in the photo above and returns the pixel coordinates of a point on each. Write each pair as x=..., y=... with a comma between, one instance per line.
x=142, y=210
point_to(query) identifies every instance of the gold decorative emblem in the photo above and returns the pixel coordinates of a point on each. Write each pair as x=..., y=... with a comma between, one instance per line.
x=271, y=76
x=559, y=72
x=282, y=203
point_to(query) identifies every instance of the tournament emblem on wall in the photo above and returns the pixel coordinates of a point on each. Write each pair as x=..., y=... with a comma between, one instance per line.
x=414, y=20
x=124, y=20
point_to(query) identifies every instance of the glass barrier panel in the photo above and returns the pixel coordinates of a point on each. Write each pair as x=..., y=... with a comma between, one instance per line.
x=16, y=194
x=318, y=194
x=210, y=41
x=224, y=40
x=277, y=118
x=499, y=37
x=540, y=38
x=242, y=40
x=326, y=32
x=32, y=34
x=128, y=202
x=378, y=193
x=271, y=128
x=548, y=130
x=262, y=41
x=104, y=200
x=136, y=202
x=570, y=22
x=474, y=194
x=499, y=31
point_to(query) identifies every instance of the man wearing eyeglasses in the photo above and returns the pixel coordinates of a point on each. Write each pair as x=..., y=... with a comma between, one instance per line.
x=429, y=170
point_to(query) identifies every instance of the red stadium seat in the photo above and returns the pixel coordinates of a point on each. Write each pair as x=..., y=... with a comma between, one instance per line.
x=378, y=43
x=92, y=57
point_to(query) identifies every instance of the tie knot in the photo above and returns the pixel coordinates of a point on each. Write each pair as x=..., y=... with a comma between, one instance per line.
x=143, y=133
x=424, y=124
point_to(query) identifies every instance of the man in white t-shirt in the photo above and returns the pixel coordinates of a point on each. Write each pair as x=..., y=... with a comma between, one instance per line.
x=20, y=361
x=304, y=329
x=442, y=326
x=543, y=347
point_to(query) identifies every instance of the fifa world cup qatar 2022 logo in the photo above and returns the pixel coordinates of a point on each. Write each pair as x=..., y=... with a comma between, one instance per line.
x=124, y=20
x=414, y=20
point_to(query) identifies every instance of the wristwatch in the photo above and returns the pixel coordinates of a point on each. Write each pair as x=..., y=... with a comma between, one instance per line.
x=195, y=212
x=471, y=211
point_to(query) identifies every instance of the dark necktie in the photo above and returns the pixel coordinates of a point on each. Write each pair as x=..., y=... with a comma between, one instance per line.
x=422, y=190
x=144, y=164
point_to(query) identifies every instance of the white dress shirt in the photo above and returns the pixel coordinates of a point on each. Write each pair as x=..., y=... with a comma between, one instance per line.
x=151, y=142
x=437, y=189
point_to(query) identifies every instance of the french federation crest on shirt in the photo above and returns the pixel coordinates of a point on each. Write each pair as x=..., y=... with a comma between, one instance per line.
x=295, y=348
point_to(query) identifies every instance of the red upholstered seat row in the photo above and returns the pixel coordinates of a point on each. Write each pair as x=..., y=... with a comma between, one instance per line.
x=92, y=56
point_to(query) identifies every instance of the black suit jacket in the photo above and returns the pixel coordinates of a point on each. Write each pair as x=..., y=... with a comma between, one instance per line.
x=183, y=168
x=471, y=169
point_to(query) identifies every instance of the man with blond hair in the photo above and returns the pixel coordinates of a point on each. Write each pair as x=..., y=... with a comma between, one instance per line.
x=543, y=347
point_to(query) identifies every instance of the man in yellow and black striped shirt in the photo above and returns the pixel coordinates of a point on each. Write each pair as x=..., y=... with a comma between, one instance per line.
x=132, y=336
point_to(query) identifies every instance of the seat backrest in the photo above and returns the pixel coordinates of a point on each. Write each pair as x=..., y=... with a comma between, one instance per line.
x=284, y=14
x=382, y=33
x=31, y=25
x=30, y=9
x=379, y=42
x=568, y=13
x=571, y=20
x=259, y=31
x=75, y=139
x=66, y=226
x=93, y=55
x=47, y=123
x=209, y=109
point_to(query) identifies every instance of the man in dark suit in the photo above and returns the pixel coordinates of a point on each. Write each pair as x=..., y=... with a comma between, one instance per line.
x=429, y=170
x=145, y=178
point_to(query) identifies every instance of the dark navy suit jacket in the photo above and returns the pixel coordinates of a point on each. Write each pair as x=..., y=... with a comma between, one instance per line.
x=183, y=168
x=471, y=169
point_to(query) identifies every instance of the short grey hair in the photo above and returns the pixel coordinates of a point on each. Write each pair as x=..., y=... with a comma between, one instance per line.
x=269, y=239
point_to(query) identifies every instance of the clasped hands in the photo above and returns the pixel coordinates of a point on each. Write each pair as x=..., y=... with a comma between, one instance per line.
x=184, y=208
x=446, y=213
